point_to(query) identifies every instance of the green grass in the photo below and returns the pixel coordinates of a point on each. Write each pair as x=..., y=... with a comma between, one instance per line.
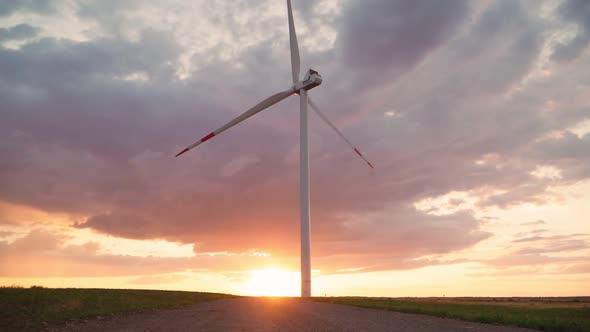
x=30, y=309
x=541, y=314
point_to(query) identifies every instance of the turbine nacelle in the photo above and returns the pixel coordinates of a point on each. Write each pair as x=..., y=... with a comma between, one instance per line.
x=311, y=80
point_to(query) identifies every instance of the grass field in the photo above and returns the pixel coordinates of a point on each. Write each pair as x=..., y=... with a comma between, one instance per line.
x=30, y=309
x=546, y=314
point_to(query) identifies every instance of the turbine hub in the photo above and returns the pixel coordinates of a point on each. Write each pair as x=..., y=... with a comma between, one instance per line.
x=311, y=80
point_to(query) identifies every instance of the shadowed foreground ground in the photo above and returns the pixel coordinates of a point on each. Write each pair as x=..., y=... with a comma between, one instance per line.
x=268, y=314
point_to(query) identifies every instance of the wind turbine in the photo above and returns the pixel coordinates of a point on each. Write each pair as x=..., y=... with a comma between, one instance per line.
x=300, y=87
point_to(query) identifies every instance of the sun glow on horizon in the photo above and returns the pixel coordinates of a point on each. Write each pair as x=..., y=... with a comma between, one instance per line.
x=272, y=282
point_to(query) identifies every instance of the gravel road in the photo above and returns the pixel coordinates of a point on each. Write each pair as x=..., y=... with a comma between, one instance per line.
x=268, y=314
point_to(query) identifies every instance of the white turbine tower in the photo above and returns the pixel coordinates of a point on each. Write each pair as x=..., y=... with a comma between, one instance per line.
x=311, y=80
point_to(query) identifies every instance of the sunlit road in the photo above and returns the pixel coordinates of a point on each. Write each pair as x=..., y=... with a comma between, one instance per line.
x=268, y=314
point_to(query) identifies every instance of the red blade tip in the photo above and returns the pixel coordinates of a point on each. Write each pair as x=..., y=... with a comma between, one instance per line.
x=181, y=152
x=207, y=137
x=358, y=152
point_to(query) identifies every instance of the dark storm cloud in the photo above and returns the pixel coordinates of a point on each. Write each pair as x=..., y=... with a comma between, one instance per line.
x=569, y=153
x=127, y=226
x=50, y=60
x=36, y=6
x=93, y=127
x=507, y=39
x=578, y=13
x=386, y=38
x=63, y=98
x=569, y=147
x=458, y=107
x=18, y=32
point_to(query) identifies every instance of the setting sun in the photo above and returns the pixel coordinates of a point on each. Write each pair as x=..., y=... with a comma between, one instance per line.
x=272, y=282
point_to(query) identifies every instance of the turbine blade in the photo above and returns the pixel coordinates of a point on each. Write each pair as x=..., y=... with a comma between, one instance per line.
x=257, y=108
x=295, y=61
x=318, y=112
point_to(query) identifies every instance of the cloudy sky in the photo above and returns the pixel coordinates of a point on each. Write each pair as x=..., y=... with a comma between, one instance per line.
x=476, y=115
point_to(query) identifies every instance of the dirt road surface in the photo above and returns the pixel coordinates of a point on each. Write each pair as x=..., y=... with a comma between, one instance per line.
x=276, y=314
